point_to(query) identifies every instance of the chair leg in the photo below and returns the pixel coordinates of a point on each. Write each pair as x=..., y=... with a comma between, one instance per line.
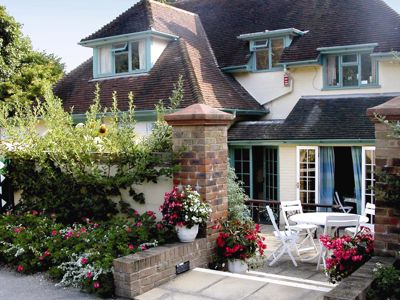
x=291, y=256
x=276, y=258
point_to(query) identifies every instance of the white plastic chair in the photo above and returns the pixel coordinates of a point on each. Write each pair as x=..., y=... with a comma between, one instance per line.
x=332, y=224
x=305, y=231
x=345, y=209
x=369, y=212
x=287, y=239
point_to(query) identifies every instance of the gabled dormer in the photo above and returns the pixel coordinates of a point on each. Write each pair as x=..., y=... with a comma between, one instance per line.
x=127, y=54
x=266, y=48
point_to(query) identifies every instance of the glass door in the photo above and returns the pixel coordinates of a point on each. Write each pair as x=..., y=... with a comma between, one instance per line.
x=368, y=176
x=307, y=174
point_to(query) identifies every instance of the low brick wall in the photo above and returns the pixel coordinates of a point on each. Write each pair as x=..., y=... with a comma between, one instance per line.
x=356, y=286
x=136, y=274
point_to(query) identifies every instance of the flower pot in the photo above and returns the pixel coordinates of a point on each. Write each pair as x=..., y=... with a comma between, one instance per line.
x=237, y=266
x=187, y=235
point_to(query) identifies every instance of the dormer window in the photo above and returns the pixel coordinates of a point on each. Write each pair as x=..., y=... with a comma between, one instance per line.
x=349, y=66
x=267, y=53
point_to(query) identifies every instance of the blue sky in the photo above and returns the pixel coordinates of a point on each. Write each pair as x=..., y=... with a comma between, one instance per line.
x=56, y=26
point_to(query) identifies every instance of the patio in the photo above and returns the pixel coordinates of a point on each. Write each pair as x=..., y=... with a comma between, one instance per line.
x=281, y=281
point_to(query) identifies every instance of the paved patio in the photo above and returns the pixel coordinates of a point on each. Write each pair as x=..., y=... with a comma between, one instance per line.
x=281, y=281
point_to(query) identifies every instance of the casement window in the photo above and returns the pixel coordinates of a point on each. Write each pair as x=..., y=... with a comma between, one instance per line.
x=350, y=70
x=121, y=58
x=267, y=53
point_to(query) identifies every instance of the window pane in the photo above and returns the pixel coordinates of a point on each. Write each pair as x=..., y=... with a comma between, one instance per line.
x=350, y=76
x=262, y=59
x=105, y=60
x=121, y=63
x=277, y=49
x=135, y=56
x=246, y=154
x=350, y=58
x=366, y=69
x=332, y=70
x=262, y=43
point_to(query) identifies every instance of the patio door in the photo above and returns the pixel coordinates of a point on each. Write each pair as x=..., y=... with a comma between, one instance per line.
x=307, y=174
x=368, y=176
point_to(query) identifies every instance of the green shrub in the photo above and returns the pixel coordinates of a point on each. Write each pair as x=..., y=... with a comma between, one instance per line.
x=80, y=255
x=386, y=285
x=237, y=209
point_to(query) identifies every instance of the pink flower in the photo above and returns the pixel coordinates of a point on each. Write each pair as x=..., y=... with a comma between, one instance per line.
x=54, y=232
x=95, y=225
x=159, y=226
x=83, y=229
x=139, y=224
x=41, y=258
x=131, y=247
x=89, y=275
x=84, y=260
x=96, y=285
x=144, y=247
x=20, y=268
x=47, y=253
x=128, y=229
x=34, y=212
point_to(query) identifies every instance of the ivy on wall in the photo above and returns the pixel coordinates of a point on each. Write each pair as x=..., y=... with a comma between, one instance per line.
x=72, y=170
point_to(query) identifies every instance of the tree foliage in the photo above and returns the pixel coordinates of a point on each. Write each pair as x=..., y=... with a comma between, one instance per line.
x=25, y=74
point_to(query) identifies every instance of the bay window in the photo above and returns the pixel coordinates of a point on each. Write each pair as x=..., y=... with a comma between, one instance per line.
x=267, y=53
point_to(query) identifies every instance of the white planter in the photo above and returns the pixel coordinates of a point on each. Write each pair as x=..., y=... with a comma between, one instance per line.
x=187, y=235
x=237, y=266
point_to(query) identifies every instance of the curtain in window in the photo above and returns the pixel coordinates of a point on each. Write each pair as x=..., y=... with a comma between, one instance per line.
x=327, y=175
x=142, y=55
x=105, y=60
x=357, y=161
x=332, y=70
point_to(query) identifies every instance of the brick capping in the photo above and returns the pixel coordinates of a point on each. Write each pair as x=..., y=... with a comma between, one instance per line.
x=199, y=115
x=389, y=109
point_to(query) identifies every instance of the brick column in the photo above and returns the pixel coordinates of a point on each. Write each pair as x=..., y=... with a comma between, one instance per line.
x=202, y=132
x=387, y=219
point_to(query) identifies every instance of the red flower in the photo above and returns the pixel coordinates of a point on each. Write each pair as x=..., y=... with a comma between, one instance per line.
x=96, y=285
x=41, y=258
x=84, y=260
x=47, y=253
x=20, y=268
x=54, y=232
x=139, y=224
x=89, y=275
x=131, y=247
x=34, y=212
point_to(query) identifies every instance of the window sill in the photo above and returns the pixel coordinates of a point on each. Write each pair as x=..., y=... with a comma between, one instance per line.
x=267, y=71
x=124, y=75
x=375, y=86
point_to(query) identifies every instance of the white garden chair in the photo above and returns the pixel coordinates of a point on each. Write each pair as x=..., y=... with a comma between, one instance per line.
x=332, y=224
x=369, y=212
x=287, y=239
x=305, y=231
x=345, y=209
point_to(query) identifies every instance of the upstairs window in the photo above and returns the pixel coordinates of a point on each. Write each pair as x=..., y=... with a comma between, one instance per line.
x=350, y=70
x=121, y=58
x=267, y=53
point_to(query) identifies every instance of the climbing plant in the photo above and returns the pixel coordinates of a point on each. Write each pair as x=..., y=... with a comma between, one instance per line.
x=71, y=170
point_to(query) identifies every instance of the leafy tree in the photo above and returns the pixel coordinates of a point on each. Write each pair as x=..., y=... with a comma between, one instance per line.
x=25, y=74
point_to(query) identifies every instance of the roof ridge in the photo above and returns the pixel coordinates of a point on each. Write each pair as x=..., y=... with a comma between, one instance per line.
x=172, y=7
x=193, y=82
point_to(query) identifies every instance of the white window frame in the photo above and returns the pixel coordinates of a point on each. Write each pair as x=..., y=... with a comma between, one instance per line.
x=363, y=177
x=316, y=149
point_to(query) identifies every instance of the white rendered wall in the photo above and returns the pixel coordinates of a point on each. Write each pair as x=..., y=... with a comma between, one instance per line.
x=287, y=173
x=157, y=47
x=307, y=81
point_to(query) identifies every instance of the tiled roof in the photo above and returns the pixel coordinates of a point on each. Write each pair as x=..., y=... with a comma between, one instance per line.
x=330, y=23
x=190, y=56
x=316, y=118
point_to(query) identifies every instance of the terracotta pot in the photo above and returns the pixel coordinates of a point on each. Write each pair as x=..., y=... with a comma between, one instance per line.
x=187, y=235
x=237, y=266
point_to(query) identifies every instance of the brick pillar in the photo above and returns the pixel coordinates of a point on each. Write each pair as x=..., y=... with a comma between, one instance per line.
x=202, y=131
x=387, y=219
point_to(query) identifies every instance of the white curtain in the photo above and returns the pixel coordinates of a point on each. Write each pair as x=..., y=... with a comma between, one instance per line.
x=142, y=54
x=105, y=60
x=331, y=70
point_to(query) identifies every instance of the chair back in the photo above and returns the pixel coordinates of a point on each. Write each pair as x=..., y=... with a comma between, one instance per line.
x=336, y=198
x=272, y=218
x=334, y=222
x=290, y=208
x=369, y=211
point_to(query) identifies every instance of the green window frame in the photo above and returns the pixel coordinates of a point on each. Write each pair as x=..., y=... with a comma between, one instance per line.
x=350, y=70
x=271, y=167
x=267, y=53
x=241, y=160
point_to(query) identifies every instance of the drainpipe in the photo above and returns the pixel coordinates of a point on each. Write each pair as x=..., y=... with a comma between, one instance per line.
x=291, y=82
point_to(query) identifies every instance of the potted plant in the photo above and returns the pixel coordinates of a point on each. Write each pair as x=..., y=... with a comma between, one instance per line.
x=347, y=253
x=237, y=242
x=184, y=210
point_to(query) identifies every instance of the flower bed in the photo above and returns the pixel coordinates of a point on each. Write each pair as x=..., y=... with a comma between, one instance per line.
x=80, y=255
x=347, y=253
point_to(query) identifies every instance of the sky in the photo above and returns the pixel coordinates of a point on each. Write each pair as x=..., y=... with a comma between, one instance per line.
x=56, y=26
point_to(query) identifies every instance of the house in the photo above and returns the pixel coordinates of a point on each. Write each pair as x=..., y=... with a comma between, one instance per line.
x=298, y=75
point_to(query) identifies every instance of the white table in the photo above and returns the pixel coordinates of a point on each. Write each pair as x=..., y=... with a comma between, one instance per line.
x=319, y=218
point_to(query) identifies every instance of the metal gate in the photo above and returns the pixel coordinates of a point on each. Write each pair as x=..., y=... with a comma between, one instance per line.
x=6, y=191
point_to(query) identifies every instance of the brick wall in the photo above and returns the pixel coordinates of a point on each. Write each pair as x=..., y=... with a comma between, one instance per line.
x=387, y=219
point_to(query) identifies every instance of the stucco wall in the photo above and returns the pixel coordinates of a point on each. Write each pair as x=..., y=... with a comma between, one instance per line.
x=307, y=81
x=287, y=173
